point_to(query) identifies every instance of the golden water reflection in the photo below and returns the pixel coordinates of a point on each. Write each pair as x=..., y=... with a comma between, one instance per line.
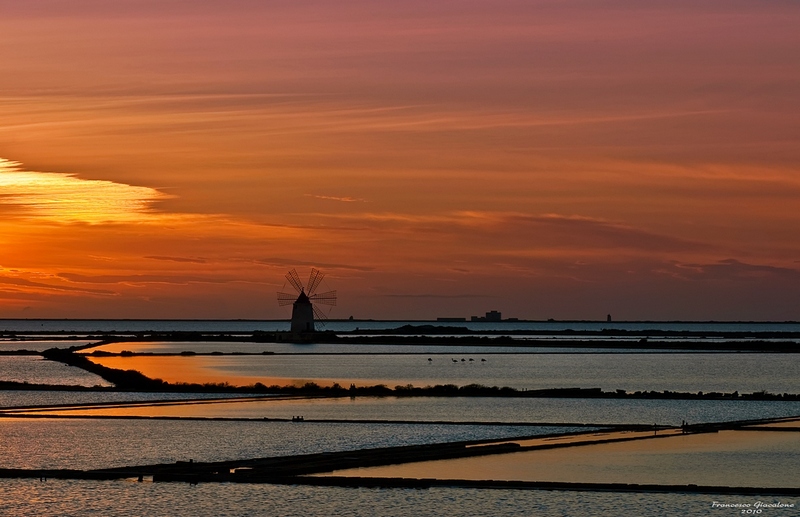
x=199, y=370
x=727, y=458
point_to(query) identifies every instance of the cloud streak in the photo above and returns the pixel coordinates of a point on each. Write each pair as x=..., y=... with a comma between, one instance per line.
x=177, y=259
x=437, y=296
x=28, y=285
x=286, y=262
x=335, y=198
x=728, y=270
x=140, y=279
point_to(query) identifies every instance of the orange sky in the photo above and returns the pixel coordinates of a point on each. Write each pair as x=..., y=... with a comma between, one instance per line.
x=562, y=159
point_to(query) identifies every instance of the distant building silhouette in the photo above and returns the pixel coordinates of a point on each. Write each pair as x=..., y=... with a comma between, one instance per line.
x=490, y=316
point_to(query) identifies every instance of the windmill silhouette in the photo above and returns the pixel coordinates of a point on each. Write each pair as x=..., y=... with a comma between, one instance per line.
x=304, y=303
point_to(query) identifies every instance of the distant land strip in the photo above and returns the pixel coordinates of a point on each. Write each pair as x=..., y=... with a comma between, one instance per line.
x=746, y=341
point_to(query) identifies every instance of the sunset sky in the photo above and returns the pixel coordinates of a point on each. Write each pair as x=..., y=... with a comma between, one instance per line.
x=548, y=159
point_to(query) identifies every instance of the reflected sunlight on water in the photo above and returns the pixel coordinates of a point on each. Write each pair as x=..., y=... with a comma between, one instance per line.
x=673, y=371
x=29, y=498
x=104, y=443
x=728, y=458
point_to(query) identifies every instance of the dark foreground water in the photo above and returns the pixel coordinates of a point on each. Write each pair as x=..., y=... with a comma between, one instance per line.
x=80, y=498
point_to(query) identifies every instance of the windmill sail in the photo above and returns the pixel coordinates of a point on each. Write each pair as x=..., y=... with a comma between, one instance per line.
x=294, y=279
x=314, y=280
x=328, y=298
x=285, y=299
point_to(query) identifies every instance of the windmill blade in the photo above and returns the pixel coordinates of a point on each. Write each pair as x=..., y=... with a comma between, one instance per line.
x=286, y=299
x=294, y=279
x=313, y=280
x=328, y=298
x=318, y=314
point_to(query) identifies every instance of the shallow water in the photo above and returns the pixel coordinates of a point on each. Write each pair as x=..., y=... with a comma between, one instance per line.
x=92, y=443
x=18, y=398
x=77, y=498
x=476, y=409
x=104, y=443
x=728, y=458
x=229, y=347
x=38, y=345
x=35, y=370
x=685, y=372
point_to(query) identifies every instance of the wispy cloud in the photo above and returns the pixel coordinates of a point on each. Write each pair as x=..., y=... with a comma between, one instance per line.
x=30, y=285
x=732, y=269
x=177, y=259
x=434, y=295
x=551, y=231
x=140, y=279
x=335, y=198
x=518, y=230
x=285, y=262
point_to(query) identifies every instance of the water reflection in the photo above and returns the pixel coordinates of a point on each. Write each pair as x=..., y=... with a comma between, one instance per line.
x=35, y=370
x=232, y=347
x=466, y=409
x=17, y=398
x=673, y=371
x=9, y=345
x=24, y=498
x=106, y=443
x=728, y=458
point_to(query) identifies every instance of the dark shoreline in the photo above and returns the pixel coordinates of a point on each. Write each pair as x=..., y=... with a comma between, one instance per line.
x=440, y=390
x=746, y=341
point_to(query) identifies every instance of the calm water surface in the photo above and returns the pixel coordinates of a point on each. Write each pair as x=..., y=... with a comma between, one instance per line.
x=106, y=443
x=685, y=372
x=77, y=498
x=176, y=347
x=35, y=370
x=94, y=443
x=728, y=458
x=17, y=398
x=39, y=345
x=476, y=409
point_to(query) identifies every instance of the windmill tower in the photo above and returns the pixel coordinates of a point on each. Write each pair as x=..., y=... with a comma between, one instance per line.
x=304, y=308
